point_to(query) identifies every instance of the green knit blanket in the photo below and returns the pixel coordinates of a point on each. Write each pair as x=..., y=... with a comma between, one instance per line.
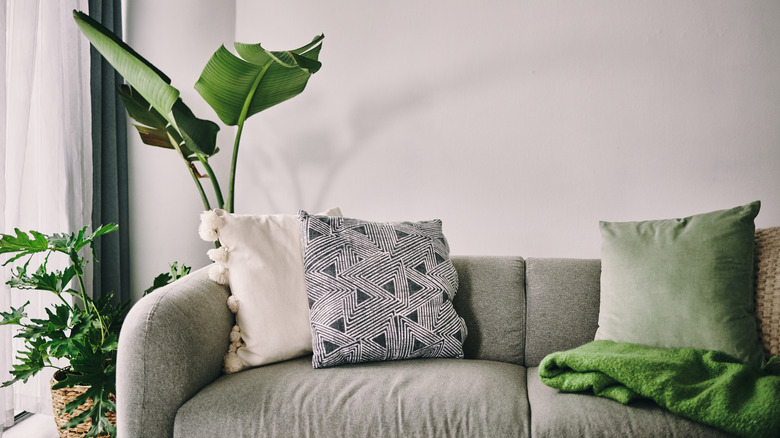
x=702, y=385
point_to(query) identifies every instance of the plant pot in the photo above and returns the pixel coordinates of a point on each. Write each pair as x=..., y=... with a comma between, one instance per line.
x=61, y=397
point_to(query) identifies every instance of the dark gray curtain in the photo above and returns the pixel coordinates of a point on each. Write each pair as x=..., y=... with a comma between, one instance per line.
x=109, y=160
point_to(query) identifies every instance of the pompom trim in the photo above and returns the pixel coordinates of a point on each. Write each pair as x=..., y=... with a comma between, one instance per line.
x=218, y=255
x=219, y=273
x=233, y=363
x=210, y=223
x=235, y=334
x=232, y=303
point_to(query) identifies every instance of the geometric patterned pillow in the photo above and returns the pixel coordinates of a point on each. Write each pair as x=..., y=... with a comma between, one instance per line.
x=379, y=291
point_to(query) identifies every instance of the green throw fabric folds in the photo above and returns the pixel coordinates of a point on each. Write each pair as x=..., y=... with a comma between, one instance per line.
x=702, y=385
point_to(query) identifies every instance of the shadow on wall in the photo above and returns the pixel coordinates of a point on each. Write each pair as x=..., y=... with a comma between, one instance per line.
x=326, y=146
x=341, y=124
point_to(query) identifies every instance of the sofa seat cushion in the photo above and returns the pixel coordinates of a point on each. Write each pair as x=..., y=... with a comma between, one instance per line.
x=409, y=398
x=557, y=414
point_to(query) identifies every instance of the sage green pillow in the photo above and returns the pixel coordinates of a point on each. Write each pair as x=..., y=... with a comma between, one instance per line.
x=680, y=283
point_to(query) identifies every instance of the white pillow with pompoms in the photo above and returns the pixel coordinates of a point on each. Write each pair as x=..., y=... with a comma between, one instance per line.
x=260, y=260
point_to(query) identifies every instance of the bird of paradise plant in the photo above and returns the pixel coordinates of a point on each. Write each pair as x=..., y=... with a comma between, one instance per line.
x=236, y=87
x=86, y=333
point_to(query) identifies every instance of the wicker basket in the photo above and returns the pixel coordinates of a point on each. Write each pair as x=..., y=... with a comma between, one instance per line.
x=60, y=397
x=767, y=284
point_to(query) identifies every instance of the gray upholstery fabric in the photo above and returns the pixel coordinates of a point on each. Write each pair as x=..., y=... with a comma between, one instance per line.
x=560, y=415
x=407, y=398
x=563, y=305
x=171, y=345
x=490, y=299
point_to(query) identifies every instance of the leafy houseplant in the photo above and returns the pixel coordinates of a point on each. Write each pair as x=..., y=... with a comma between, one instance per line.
x=168, y=277
x=85, y=333
x=236, y=87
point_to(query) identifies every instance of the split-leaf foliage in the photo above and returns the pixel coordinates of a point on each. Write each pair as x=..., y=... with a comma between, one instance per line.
x=80, y=330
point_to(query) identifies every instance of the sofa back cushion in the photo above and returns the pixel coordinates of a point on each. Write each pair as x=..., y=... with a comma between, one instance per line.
x=563, y=305
x=491, y=300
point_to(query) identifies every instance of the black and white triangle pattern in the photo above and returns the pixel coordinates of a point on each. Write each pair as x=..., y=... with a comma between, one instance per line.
x=379, y=291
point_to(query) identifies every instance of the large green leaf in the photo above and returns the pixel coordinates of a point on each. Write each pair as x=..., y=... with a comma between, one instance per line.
x=74, y=242
x=262, y=79
x=92, y=368
x=41, y=279
x=15, y=316
x=153, y=85
x=155, y=130
x=199, y=135
x=139, y=109
x=30, y=361
x=193, y=134
x=22, y=244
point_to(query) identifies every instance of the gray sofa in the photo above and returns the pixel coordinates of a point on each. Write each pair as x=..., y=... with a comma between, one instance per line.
x=171, y=382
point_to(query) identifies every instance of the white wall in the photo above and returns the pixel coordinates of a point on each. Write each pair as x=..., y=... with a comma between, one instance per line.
x=519, y=124
x=178, y=37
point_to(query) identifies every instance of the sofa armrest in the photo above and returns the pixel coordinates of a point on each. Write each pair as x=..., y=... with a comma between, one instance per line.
x=171, y=345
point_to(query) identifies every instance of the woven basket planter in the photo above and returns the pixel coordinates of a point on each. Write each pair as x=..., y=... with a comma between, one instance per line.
x=61, y=397
x=767, y=283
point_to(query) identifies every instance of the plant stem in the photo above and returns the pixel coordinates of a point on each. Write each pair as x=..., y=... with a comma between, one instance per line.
x=83, y=289
x=214, y=181
x=241, y=119
x=45, y=261
x=64, y=301
x=87, y=304
x=231, y=188
x=175, y=140
x=203, y=197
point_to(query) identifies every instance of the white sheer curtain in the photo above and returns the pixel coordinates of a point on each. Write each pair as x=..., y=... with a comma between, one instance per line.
x=45, y=150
